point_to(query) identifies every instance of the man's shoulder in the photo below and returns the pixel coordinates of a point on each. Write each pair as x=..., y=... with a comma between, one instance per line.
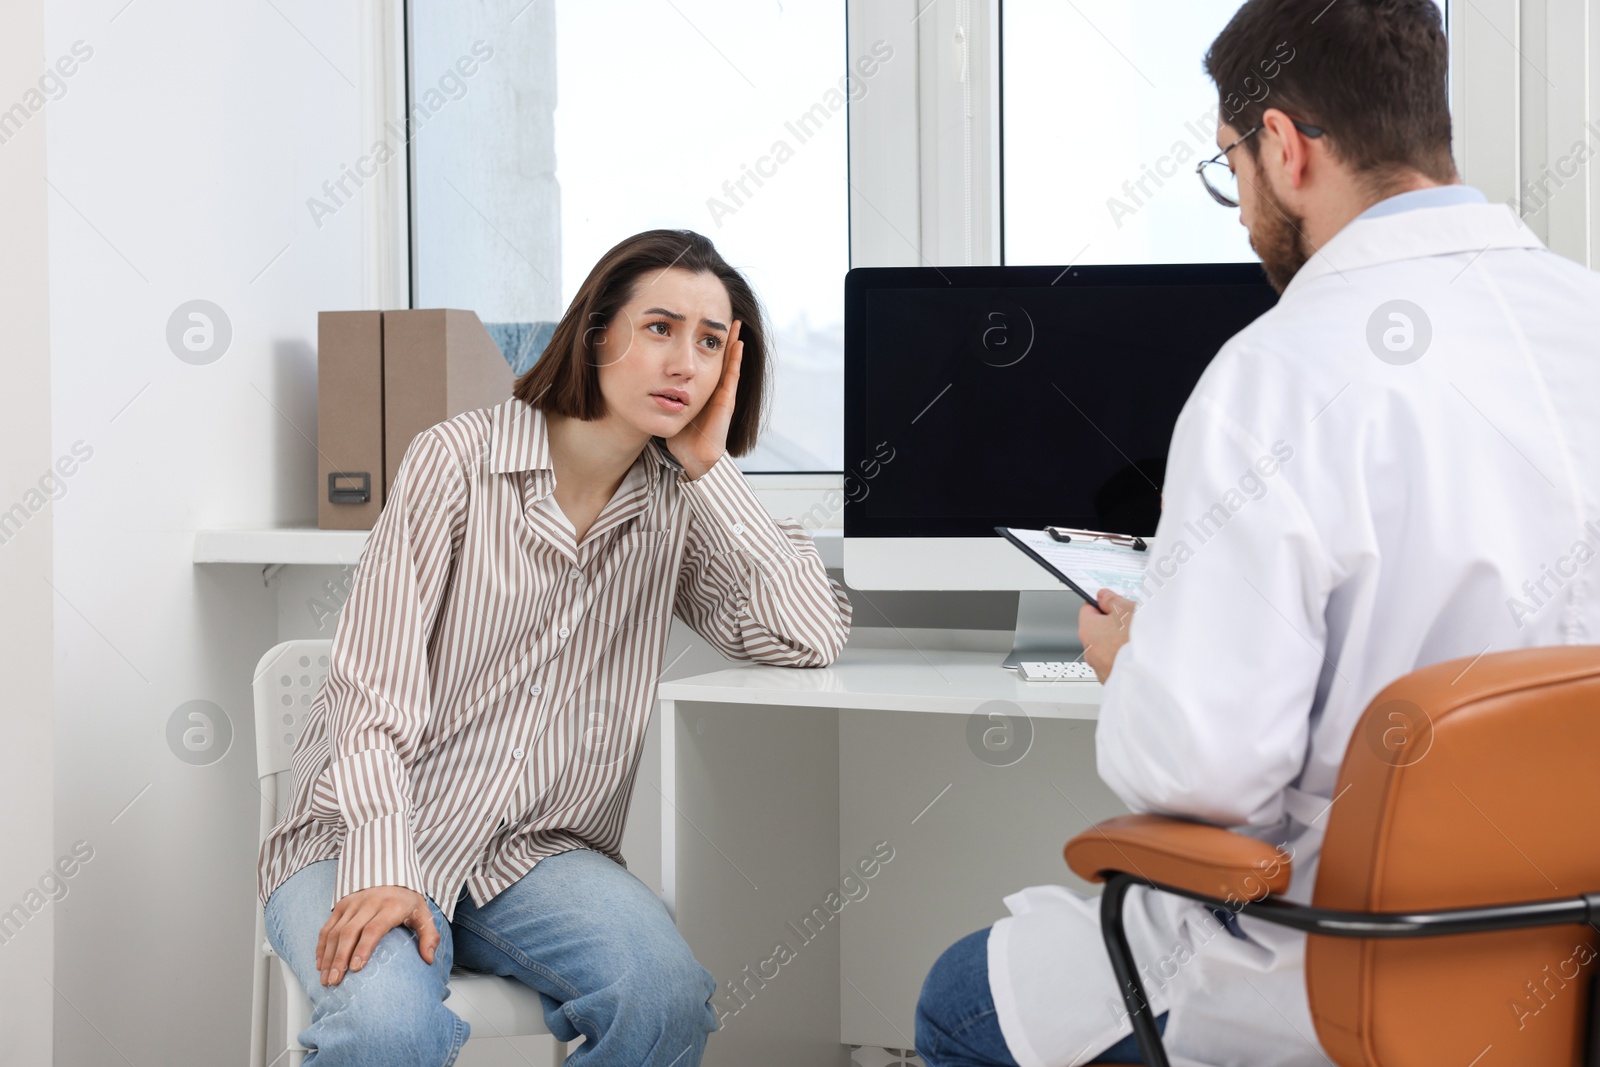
x=1361, y=323
x=1284, y=347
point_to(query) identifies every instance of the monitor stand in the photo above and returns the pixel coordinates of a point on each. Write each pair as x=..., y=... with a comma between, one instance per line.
x=1047, y=627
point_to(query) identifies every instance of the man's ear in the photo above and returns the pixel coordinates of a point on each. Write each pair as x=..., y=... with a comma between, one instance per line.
x=1288, y=148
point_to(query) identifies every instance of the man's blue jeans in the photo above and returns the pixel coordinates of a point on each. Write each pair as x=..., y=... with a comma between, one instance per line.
x=956, y=1021
x=594, y=941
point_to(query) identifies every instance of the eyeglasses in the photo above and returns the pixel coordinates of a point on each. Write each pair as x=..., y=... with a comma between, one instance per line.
x=1219, y=178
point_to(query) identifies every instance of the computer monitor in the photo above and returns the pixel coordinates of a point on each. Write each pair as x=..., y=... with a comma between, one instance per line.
x=1017, y=396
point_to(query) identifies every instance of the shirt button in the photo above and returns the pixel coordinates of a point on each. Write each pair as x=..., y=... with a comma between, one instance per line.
x=563, y=632
x=738, y=527
x=534, y=690
x=516, y=753
x=575, y=574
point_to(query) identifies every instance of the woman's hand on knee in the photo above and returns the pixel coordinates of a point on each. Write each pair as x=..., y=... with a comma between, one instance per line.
x=360, y=920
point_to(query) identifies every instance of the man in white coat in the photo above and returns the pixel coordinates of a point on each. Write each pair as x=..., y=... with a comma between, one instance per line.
x=1395, y=466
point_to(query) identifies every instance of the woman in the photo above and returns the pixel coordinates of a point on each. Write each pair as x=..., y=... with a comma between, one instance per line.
x=463, y=777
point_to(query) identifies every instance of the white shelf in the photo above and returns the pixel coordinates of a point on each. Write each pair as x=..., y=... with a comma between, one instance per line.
x=284, y=545
x=305, y=545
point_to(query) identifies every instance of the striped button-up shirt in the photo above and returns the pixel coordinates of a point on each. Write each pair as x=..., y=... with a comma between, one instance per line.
x=490, y=679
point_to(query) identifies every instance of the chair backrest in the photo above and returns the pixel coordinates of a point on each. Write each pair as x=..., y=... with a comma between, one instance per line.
x=286, y=682
x=1467, y=783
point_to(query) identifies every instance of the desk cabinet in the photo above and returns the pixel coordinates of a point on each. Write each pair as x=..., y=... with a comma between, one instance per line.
x=939, y=773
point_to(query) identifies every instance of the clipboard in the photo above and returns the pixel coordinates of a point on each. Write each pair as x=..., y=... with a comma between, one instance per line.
x=1099, y=560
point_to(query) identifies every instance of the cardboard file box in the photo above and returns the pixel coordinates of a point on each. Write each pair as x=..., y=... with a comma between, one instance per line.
x=349, y=419
x=382, y=378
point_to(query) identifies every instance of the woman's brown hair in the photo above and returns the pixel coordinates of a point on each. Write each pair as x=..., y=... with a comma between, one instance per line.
x=566, y=377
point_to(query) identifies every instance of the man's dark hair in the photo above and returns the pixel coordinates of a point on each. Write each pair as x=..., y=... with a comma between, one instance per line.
x=1371, y=73
x=566, y=378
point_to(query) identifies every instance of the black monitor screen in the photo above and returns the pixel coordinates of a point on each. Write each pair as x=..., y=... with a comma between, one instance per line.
x=986, y=396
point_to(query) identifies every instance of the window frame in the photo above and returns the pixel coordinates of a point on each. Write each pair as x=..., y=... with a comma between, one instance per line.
x=926, y=187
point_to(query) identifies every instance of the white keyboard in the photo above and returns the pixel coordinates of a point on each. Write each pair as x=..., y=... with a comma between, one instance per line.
x=1055, y=671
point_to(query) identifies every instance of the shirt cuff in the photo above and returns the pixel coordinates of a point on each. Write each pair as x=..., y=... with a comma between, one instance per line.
x=377, y=853
x=378, y=846
x=733, y=517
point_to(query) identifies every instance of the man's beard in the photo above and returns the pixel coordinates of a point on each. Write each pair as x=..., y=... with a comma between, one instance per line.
x=1278, y=239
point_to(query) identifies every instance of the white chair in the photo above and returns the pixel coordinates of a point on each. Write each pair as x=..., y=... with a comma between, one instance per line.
x=286, y=682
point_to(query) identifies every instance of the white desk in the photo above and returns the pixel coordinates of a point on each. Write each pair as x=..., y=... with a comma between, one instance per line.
x=776, y=781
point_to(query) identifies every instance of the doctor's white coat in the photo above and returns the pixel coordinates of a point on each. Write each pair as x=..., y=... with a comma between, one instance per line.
x=1397, y=465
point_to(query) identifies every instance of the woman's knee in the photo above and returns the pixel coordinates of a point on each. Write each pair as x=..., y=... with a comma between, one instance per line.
x=650, y=966
x=431, y=1038
x=660, y=991
x=368, y=1020
x=673, y=986
x=391, y=1011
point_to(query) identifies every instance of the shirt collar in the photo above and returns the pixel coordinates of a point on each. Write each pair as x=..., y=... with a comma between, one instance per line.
x=519, y=441
x=1434, y=196
x=1403, y=235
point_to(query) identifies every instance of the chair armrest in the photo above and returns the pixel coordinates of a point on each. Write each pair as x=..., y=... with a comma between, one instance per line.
x=1193, y=856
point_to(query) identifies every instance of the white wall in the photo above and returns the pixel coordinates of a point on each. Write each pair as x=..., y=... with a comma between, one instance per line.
x=27, y=911
x=184, y=152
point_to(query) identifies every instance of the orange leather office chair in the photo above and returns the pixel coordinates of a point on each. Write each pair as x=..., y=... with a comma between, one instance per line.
x=1453, y=917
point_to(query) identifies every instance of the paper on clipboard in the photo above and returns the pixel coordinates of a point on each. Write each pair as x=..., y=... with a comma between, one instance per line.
x=1085, y=566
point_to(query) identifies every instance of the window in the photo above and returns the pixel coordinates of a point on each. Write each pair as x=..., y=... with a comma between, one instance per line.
x=582, y=123
x=543, y=131
x=1107, y=109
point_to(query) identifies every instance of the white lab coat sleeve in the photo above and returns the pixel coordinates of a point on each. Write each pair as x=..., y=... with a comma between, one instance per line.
x=1207, y=710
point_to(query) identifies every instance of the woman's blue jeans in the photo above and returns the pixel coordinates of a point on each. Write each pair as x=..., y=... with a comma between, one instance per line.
x=956, y=1021
x=594, y=941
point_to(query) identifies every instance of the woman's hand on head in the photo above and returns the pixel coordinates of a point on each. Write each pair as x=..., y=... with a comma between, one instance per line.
x=704, y=439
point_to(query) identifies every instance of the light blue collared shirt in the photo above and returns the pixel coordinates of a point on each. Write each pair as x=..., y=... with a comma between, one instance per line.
x=1434, y=196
